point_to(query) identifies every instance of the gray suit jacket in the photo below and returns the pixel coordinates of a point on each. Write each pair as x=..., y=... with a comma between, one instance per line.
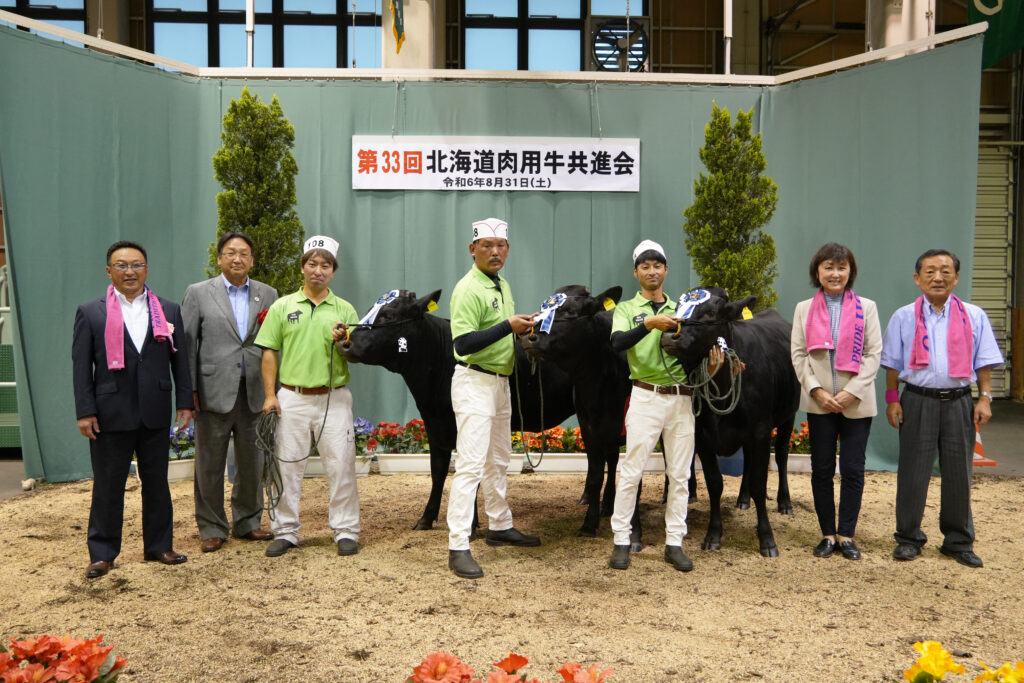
x=215, y=348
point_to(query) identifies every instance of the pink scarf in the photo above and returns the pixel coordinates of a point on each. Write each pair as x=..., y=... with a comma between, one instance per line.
x=113, y=331
x=818, y=330
x=959, y=339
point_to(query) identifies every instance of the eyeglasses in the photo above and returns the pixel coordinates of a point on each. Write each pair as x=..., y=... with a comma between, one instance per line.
x=240, y=254
x=138, y=265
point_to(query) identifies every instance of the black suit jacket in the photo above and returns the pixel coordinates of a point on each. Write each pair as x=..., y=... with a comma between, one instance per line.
x=140, y=394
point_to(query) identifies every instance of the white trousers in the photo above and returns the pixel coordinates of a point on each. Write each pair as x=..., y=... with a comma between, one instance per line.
x=301, y=418
x=651, y=415
x=483, y=411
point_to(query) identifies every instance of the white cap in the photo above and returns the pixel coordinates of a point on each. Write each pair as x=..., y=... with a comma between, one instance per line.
x=648, y=245
x=490, y=227
x=321, y=242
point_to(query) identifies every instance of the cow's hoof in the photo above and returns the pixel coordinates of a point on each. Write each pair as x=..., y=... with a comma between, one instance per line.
x=770, y=551
x=785, y=509
x=692, y=499
x=711, y=544
x=423, y=525
x=743, y=504
x=589, y=533
x=636, y=547
x=583, y=499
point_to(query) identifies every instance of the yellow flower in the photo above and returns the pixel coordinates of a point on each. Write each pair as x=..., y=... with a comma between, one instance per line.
x=1003, y=674
x=934, y=661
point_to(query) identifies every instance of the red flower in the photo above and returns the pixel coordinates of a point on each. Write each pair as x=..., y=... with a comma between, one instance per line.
x=441, y=667
x=371, y=443
x=261, y=316
x=512, y=663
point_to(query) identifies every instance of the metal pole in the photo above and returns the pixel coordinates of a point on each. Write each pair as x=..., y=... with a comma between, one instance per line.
x=727, y=33
x=250, y=29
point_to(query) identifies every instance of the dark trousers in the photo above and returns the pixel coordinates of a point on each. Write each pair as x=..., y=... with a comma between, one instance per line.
x=213, y=431
x=931, y=428
x=852, y=434
x=111, y=454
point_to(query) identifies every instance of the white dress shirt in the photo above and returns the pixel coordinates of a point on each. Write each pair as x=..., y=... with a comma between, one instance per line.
x=136, y=317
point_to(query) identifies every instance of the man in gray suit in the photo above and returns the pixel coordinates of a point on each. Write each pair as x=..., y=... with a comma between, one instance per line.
x=222, y=316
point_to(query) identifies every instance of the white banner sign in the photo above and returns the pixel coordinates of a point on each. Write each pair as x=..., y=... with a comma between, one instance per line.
x=381, y=162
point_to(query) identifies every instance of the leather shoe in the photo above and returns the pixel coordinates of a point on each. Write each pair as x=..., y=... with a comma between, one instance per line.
x=168, y=557
x=511, y=537
x=212, y=545
x=965, y=557
x=620, y=557
x=825, y=548
x=462, y=563
x=675, y=556
x=279, y=547
x=347, y=546
x=905, y=552
x=258, y=535
x=98, y=569
x=849, y=550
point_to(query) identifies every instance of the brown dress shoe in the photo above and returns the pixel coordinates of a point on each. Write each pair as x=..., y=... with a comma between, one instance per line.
x=98, y=569
x=212, y=545
x=169, y=557
x=258, y=535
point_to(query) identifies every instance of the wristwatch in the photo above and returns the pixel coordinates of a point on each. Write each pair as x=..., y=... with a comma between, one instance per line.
x=985, y=394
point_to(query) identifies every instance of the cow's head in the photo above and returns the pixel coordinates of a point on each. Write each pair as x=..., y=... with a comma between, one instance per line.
x=704, y=324
x=572, y=326
x=394, y=333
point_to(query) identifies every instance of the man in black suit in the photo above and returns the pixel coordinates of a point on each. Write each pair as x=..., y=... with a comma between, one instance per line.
x=126, y=347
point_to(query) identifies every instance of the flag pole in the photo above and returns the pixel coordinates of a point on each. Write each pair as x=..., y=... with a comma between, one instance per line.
x=250, y=28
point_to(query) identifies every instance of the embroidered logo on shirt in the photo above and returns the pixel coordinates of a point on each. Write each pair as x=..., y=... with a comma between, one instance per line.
x=494, y=304
x=293, y=317
x=638, y=319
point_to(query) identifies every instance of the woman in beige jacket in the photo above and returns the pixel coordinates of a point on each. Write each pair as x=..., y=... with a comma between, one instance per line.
x=836, y=345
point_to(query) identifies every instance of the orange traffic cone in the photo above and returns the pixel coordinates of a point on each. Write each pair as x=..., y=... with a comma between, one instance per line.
x=979, y=450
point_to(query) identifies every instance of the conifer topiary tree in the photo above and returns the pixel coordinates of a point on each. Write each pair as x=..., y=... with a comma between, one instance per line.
x=731, y=204
x=256, y=168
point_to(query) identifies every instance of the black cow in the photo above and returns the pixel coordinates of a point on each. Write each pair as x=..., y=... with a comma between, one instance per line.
x=579, y=342
x=407, y=340
x=768, y=400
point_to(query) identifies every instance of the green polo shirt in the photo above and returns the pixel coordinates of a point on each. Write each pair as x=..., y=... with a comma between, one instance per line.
x=478, y=304
x=302, y=333
x=645, y=357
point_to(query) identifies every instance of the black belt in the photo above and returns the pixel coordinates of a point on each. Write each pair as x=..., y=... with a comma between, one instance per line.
x=471, y=366
x=941, y=394
x=674, y=389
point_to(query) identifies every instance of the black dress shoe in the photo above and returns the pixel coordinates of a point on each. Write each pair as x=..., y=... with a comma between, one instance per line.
x=98, y=569
x=168, y=557
x=675, y=556
x=825, y=548
x=620, y=557
x=278, y=548
x=849, y=550
x=346, y=546
x=462, y=563
x=511, y=537
x=965, y=557
x=905, y=552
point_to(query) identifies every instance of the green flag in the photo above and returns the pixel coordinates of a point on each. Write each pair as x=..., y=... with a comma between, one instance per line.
x=398, y=23
x=1005, y=33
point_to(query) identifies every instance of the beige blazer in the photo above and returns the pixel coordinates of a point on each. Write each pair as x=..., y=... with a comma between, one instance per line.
x=814, y=369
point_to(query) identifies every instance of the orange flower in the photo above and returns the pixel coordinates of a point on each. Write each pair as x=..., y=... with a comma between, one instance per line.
x=568, y=671
x=572, y=672
x=512, y=663
x=503, y=677
x=441, y=667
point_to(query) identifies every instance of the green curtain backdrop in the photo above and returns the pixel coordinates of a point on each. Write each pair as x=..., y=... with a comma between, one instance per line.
x=94, y=149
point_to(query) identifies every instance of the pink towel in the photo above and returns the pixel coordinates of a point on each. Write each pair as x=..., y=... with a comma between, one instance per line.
x=818, y=330
x=959, y=339
x=113, y=331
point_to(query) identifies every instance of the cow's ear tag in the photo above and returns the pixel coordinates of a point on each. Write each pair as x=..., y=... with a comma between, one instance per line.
x=747, y=315
x=431, y=306
x=608, y=304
